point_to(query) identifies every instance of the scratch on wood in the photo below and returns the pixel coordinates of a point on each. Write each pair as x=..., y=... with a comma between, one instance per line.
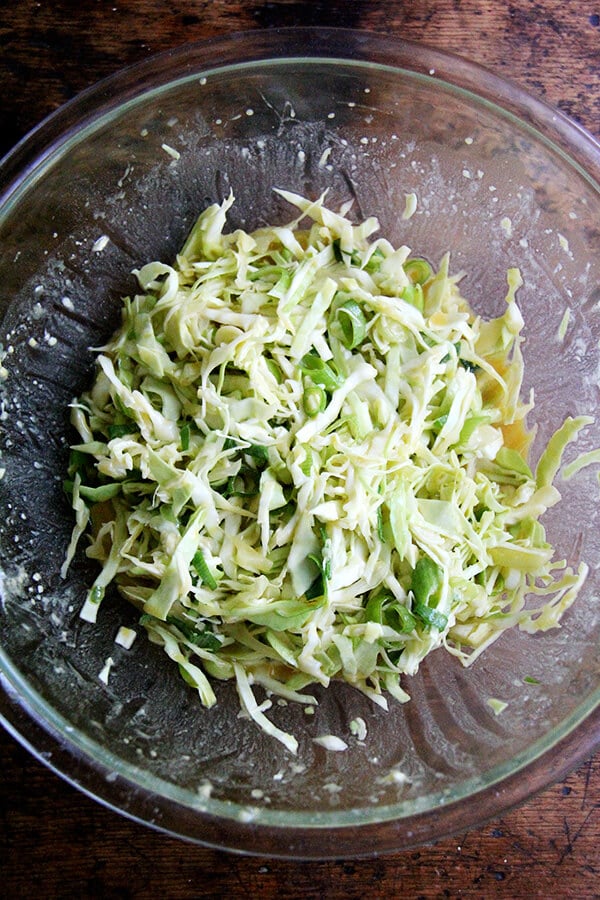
x=569, y=846
x=572, y=839
x=525, y=851
x=586, y=783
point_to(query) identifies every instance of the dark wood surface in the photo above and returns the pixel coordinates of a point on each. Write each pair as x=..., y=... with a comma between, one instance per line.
x=57, y=843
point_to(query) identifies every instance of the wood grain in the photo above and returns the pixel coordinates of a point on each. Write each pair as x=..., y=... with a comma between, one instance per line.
x=57, y=843
x=51, y=51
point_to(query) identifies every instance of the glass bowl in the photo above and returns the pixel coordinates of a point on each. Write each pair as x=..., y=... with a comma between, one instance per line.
x=115, y=179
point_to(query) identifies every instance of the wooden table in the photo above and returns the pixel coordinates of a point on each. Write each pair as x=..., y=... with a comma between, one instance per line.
x=55, y=842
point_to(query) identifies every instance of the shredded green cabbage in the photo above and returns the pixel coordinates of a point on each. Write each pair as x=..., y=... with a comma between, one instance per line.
x=304, y=457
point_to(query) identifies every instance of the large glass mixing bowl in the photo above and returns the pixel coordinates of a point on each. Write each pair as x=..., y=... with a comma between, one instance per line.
x=115, y=179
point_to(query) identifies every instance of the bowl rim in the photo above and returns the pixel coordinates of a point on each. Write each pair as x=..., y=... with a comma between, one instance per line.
x=298, y=42
x=22, y=716
x=246, y=831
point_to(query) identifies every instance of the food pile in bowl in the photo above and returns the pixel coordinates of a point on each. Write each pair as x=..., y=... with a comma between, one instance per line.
x=300, y=385
x=303, y=458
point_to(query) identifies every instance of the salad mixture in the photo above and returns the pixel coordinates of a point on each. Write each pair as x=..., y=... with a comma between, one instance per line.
x=304, y=458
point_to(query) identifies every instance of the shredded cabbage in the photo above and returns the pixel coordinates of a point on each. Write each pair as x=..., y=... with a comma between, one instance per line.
x=304, y=458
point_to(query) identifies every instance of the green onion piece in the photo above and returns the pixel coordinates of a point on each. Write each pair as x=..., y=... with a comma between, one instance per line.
x=426, y=582
x=125, y=368
x=77, y=462
x=385, y=609
x=320, y=372
x=349, y=324
x=337, y=250
x=205, y=639
x=264, y=271
x=116, y=431
x=120, y=406
x=316, y=589
x=407, y=620
x=429, y=616
x=96, y=595
x=439, y=423
x=236, y=484
x=257, y=451
x=184, y=436
x=314, y=400
x=413, y=294
x=318, y=561
x=380, y=521
x=375, y=260
x=319, y=586
x=374, y=608
x=351, y=257
x=467, y=364
x=426, y=579
x=418, y=270
x=274, y=370
x=204, y=573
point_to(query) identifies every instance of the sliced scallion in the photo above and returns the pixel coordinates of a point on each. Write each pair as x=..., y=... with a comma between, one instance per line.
x=349, y=324
x=117, y=431
x=258, y=452
x=321, y=372
x=184, y=436
x=204, y=638
x=314, y=400
x=413, y=294
x=418, y=270
x=204, y=573
x=431, y=617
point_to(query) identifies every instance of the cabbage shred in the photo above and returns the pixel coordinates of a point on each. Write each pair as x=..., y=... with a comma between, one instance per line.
x=304, y=458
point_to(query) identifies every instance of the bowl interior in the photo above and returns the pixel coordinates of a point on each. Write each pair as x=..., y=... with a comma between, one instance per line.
x=491, y=190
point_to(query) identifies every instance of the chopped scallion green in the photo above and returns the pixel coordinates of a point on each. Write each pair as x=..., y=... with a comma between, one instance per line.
x=418, y=270
x=321, y=372
x=184, y=436
x=204, y=573
x=349, y=324
x=314, y=400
